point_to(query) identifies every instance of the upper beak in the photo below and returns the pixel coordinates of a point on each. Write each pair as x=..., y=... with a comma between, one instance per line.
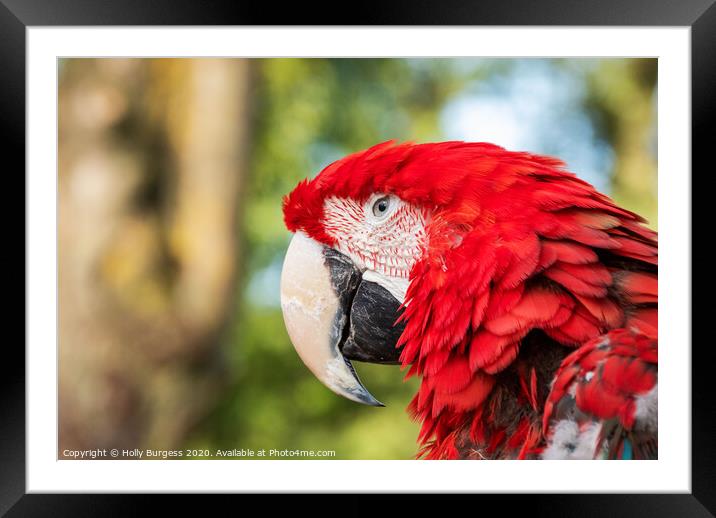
x=332, y=316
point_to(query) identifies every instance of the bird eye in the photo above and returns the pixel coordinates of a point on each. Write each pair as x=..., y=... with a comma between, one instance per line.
x=381, y=206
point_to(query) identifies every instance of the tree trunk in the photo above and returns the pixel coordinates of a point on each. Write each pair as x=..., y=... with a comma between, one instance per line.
x=152, y=156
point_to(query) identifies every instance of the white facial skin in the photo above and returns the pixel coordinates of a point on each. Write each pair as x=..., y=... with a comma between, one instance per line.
x=384, y=237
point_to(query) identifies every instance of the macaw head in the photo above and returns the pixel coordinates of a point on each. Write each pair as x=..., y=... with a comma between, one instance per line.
x=402, y=252
x=376, y=234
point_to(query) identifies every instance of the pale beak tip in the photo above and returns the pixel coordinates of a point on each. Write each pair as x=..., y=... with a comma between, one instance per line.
x=356, y=390
x=371, y=401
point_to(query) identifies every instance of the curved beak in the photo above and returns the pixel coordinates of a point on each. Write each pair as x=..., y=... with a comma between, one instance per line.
x=333, y=315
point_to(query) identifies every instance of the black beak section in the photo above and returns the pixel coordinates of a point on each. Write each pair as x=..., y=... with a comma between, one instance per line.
x=372, y=334
x=345, y=277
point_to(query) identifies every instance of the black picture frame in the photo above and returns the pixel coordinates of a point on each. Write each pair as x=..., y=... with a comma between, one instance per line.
x=700, y=15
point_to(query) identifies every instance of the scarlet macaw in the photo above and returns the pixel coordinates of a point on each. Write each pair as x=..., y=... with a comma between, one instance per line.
x=524, y=299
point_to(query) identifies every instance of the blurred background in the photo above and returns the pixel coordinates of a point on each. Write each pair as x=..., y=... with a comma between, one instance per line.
x=171, y=240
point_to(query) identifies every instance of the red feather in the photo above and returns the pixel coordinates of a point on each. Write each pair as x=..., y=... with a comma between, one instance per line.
x=607, y=374
x=515, y=244
x=566, y=252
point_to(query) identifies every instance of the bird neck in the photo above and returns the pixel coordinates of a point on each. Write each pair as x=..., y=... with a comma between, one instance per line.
x=508, y=424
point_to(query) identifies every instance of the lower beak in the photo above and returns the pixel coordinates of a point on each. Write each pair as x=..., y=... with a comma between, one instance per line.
x=333, y=315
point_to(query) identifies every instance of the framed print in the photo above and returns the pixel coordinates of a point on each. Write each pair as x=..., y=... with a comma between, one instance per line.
x=325, y=258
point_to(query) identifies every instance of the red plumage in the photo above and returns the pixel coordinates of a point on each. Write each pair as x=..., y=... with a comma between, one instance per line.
x=606, y=376
x=522, y=258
